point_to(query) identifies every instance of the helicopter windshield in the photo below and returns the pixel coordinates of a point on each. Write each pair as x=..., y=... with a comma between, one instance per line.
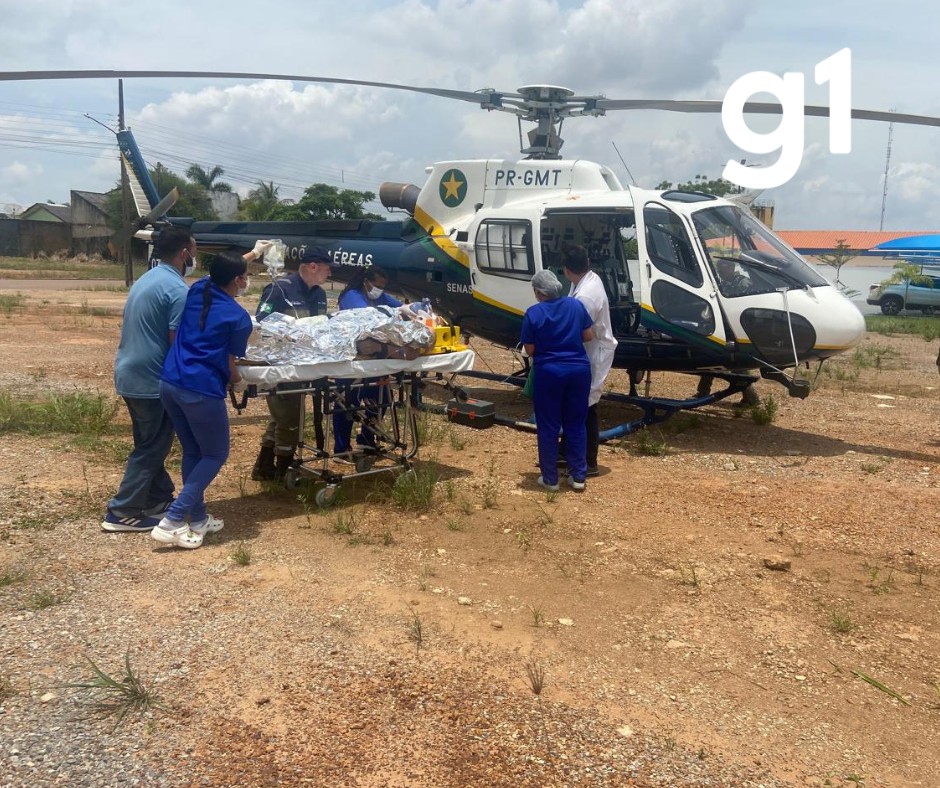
x=746, y=257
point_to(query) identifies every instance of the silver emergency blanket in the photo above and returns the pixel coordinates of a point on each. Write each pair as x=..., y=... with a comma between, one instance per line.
x=282, y=339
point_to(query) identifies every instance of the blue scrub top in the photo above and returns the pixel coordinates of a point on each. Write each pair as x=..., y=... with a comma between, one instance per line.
x=555, y=328
x=198, y=359
x=356, y=299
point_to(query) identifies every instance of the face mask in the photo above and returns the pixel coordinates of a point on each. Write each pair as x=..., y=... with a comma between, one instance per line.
x=374, y=292
x=242, y=290
x=190, y=266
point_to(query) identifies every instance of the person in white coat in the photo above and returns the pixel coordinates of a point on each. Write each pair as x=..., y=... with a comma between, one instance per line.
x=588, y=288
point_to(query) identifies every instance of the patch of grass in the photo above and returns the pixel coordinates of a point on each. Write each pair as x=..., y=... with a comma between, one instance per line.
x=928, y=328
x=75, y=413
x=450, y=489
x=457, y=441
x=489, y=490
x=241, y=554
x=454, y=524
x=119, y=696
x=841, y=623
x=416, y=633
x=523, y=538
x=881, y=584
x=44, y=598
x=538, y=615
x=871, y=467
x=873, y=356
x=536, y=675
x=7, y=690
x=387, y=539
x=343, y=523
x=12, y=575
x=10, y=301
x=649, y=444
x=466, y=506
x=414, y=490
x=682, y=422
x=766, y=412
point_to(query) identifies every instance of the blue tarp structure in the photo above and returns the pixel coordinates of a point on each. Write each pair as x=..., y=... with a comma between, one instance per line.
x=912, y=247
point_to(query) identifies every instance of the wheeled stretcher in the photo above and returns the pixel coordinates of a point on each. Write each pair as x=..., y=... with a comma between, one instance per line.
x=379, y=396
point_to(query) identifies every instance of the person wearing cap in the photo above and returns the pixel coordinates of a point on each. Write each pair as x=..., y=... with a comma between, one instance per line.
x=299, y=293
x=554, y=331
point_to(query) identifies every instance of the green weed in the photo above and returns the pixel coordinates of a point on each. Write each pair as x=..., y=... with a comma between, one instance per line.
x=44, y=598
x=10, y=301
x=75, y=413
x=453, y=524
x=649, y=444
x=766, y=412
x=343, y=523
x=13, y=574
x=536, y=675
x=928, y=328
x=414, y=490
x=119, y=696
x=241, y=554
x=538, y=615
x=841, y=623
x=416, y=633
x=457, y=442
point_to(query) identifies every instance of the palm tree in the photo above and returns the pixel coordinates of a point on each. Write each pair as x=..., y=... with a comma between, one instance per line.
x=261, y=201
x=207, y=178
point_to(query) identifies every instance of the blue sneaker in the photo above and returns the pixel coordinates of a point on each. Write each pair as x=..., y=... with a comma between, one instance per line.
x=115, y=522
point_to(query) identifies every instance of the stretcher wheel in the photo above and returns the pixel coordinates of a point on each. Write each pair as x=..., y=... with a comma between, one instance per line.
x=326, y=497
x=364, y=464
x=292, y=479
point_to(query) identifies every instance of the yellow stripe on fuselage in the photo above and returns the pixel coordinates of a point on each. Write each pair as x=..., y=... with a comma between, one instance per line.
x=440, y=237
x=499, y=305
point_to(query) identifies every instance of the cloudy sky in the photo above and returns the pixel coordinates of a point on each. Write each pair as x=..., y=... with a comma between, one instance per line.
x=296, y=134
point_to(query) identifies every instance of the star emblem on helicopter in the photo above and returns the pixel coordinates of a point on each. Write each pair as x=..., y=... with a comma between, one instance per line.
x=453, y=188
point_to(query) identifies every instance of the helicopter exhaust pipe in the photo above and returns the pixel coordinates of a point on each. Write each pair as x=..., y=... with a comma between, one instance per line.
x=399, y=195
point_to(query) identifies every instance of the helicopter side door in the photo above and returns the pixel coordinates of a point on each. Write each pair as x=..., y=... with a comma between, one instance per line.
x=677, y=298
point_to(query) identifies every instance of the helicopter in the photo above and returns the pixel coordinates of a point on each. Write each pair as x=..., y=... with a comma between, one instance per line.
x=473, y=235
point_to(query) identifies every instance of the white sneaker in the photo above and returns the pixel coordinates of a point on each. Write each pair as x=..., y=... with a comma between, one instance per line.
x=545, y=485
x=170, y=532
x=575, y=485
x=210, y=525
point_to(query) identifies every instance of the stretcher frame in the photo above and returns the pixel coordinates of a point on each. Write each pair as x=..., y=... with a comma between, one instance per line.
x=391, y=416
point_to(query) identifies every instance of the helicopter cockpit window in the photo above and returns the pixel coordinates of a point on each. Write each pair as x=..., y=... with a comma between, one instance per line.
x=748, y=258
x=504, y=247
x=669, y=247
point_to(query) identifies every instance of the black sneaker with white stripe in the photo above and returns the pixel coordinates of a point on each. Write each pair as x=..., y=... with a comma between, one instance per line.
x=115, y=522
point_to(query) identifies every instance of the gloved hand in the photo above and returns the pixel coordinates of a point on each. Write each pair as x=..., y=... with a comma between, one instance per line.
x=238, y=386
x=261, y=247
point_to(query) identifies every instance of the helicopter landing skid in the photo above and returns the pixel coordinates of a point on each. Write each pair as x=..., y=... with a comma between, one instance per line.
x=655, y=409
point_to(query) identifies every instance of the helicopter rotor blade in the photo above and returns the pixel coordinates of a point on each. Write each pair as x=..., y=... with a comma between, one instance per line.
x=119, y=238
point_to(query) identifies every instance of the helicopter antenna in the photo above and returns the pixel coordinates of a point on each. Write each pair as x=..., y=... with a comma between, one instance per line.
x=632, y=179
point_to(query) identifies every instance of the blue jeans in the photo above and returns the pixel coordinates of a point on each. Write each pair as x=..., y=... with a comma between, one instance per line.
x=201, y=424
x=146, y=482
x=560, y=397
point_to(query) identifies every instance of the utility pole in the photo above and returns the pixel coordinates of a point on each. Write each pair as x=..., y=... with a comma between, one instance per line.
x=125, y=203
x=884, y=192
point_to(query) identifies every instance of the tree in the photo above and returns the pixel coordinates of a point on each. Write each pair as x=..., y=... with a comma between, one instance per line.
x=207, y=178
x=701, y=183
x=261, y=202
x=193, y=201
x=836, y=260
x=322, y=201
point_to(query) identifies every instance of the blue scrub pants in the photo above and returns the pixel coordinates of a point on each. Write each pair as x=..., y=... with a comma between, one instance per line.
x=201, y=424
x=146, y=483
x=560, y=397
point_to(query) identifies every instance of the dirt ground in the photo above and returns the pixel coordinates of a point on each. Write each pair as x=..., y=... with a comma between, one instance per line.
x=367, y=645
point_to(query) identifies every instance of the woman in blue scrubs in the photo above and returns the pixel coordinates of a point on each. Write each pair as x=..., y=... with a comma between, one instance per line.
x=197, y=372
x=554, y=331
x=366, y=289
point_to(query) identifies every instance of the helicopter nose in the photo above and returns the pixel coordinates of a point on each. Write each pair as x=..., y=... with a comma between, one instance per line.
x=840, y=325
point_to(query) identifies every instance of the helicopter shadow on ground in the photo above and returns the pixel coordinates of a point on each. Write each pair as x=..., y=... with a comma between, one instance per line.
x=774, y=441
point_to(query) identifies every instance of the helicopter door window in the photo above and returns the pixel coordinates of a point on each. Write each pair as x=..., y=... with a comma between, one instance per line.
x=669, y=247
x=504, y=248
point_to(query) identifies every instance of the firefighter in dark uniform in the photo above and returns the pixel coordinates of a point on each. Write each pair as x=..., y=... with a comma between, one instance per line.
x=297, y=294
